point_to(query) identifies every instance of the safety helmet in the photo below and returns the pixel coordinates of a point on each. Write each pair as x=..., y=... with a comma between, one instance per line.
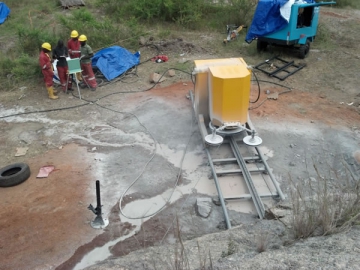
x=74, y=34
x=46, y=45
x=82, y=38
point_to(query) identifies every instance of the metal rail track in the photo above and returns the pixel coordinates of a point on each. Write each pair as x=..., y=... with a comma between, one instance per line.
x=242, y=173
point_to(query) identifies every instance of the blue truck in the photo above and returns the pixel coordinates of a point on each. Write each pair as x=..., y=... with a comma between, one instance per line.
x=289, y=23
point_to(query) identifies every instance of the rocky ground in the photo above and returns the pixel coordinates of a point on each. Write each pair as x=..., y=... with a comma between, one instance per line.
x=142, y=141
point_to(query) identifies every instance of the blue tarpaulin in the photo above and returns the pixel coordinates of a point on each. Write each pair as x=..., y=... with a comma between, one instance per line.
x=267, y=19
x=4, y=12
x=114, y=61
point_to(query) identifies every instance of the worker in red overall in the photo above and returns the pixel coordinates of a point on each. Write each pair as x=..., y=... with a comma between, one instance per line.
x=60, y=53
x=47, y=69
x=85, y=63
x=73, y=46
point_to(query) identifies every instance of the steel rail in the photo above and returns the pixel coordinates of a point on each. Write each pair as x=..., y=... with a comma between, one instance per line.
x=248, y=180
x=272, y=177
x=200, y=120
x=218, y=188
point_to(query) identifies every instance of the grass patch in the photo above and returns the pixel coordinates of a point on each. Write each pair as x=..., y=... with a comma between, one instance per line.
x=324, y=39
x=112, y=22
x=348, y=3
x=325, y=205
x=231, y=249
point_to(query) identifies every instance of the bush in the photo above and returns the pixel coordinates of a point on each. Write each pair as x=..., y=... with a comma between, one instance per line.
x=30, y=40
x=348, y=3
x=189, y=13
x=15, y=70
x=101, y=32
x=325, y=205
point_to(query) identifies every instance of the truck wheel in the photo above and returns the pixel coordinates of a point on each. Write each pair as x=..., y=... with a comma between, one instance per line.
x=261, y=45
x=304, y=50
x=14, y=174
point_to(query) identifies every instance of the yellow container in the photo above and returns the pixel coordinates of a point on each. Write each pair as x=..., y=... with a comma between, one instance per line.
x=204, y=79
x=229, y=94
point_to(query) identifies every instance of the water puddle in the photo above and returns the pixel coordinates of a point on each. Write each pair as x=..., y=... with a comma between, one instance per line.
x=195, y=170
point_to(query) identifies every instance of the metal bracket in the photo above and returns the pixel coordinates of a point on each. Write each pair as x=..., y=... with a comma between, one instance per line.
x=279, y=66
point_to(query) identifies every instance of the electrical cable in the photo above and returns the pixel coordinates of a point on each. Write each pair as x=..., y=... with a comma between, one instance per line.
x=153, y=154
x=257, y=80
x=289, y=89
x=48, y=110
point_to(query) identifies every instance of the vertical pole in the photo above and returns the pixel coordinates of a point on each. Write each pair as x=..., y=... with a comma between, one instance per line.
x=98, y=199
x=99, y=222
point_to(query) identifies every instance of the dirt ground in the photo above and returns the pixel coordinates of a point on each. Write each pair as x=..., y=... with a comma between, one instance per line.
x=127, y=136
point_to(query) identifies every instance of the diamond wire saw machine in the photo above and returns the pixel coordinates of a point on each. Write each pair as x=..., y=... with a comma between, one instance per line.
x=221, y=101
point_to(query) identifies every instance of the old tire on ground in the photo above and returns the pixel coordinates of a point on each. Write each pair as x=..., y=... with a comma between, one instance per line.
x=304, y=50
x=261, y=45
x=14, y=174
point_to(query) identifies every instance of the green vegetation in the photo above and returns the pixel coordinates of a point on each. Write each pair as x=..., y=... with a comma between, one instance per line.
x=110, y=22
x=105, y=22
x=326, y=204
x=232, y=248
x=348, y=3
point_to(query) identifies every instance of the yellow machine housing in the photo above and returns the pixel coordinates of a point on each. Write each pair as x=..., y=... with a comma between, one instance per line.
x=222, y=90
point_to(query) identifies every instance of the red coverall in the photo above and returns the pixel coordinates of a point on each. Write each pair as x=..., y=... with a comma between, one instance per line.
x=87, y=71
x=74, y=45
x=46, y=68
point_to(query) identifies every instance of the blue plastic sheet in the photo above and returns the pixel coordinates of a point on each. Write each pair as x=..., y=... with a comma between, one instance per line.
x=4, y=12
x=267, y=19
x=114, y=61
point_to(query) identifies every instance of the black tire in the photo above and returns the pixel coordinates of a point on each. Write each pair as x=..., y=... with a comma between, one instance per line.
x=304, y=50
x=261, y=45
x=14, y=174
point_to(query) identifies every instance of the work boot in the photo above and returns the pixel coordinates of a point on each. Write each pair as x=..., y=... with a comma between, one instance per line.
x=51, y=93
x=79, y=77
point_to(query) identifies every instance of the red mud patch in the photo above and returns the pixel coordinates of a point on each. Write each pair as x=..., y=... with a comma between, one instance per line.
x=333, y=14
x=296, y=105
x=44, y=220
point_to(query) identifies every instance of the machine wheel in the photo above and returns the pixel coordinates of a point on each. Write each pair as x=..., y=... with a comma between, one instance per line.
x=261, y=45
x=14, y=174
x=304, y=50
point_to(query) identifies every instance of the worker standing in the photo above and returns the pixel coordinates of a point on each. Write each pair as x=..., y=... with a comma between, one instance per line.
x=47, y=69
x=85, y=62
x=73, y=46
x=60, y=53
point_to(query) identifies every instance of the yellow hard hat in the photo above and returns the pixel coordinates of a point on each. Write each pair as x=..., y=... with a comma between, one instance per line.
x=46, y=46
x=74, y=34
x=82, y=38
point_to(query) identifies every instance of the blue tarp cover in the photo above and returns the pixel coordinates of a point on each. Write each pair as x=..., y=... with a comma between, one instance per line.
x=4, y=12
x=267, y=19
x=114, y=61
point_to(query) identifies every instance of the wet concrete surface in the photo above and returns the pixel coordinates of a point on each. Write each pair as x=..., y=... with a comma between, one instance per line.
x=147, y=153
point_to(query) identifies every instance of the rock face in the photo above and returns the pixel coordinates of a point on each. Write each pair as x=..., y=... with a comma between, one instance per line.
x=262, y=245
x=71, y=3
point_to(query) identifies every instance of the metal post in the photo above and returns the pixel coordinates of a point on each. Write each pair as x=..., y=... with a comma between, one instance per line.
x=98, y=199
x=99, y=222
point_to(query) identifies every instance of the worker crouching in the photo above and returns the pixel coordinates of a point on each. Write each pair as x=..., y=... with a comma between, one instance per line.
x=47, y=69
x=85, y=62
